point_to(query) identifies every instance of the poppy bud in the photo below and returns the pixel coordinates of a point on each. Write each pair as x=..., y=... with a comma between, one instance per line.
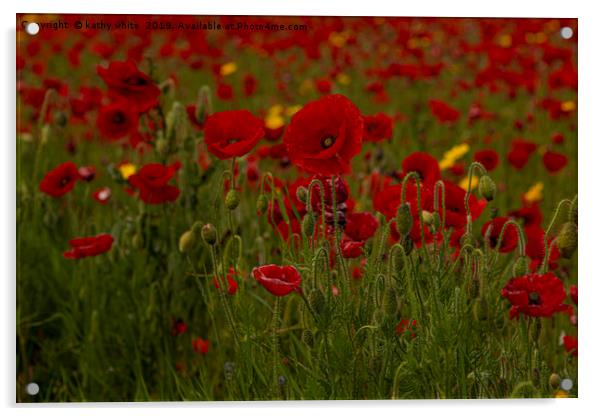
x=302, y=194
x=391, y=304
x=307, y=337
x=308, y=225
x=567, y=239
x=60, y=118
x=196, y=228
x=162, y=146
x=45, y=133
x=427, y=218
x=187, y=241
x=521, y=266
x=487, y=187
x=407, y=244
x=203, y=107
x=232, y=199
x=480, y=310
x=554, y=380
x=262, y=204
x=317, y=301
x=404, y=219
x=397, y=260
x=174, y=121
x=209, y=234
x=573, y=211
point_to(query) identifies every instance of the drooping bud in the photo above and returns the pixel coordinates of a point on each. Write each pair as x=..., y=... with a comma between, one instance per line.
x=391, y=305
x=428, y=218
x=481, y=310
x=307, y=337
x=567, y=239
x=203, y=107
x=554, y=380
x=187, y=241
x=397, y=260
x=521, y=267
x=209, y=234
x=408, y=244
x=404, y=219
x=308, y=225
x=232, y=199
x=302, y=194
x=262, y=204
x=573, y=211
x=45, y=133
x=60, y=118
x=317, y=301
x=487, y=187
x=175, y=121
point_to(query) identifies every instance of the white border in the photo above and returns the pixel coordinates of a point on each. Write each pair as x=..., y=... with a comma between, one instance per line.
x=590, y=155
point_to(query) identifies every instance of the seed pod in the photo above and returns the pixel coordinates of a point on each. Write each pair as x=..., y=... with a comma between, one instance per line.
x=307, y=337
x=487, y=187
x=187, y=241
x=317, y=301
x=404, y=219
x=391, y=305
x=308, y=225
x=232, y=199
x=262, y=204
x=573, y=211
x=554, y=380
x=567, y=240
x=302, y=194
x=521, y=266
x=209, y=234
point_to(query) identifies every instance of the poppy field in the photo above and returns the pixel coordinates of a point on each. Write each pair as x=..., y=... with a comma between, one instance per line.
x=296, y=208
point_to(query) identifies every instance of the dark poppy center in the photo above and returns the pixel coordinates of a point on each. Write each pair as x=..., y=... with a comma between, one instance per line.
x=327, y=142
x=118, y=117
x=135, y=81
x=64, y=181
x=534, y=298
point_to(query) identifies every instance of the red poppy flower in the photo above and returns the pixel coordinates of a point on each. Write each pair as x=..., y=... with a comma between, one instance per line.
x=324, y=135
x=530, y=214
x=152, y=180
x=191, y=112
x=351, y=249
x=250, y=85
x=520, y=152
x=60, y=180
x=116, y=120
x=488, y=158
x=510, y=240
x=535, y=248
x=200, y=345
x=570, y=345
x=455, y=209
x=232, y=133
x=573, y=292
x=278, y=280
x=87, y=173
x=360, y=226
x=232, y=284
x=178, y=327
x=125, y=81
x=405, y=327
x=224, y=91
x=535, y=295
x=378, y=127
x=554, y=161
x=102, y=195
x=443, y=111
x=425, y=165
x=89, y=246
x=341, y=191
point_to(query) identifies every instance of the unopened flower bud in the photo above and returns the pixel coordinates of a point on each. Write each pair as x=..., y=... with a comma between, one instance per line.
x=203, y=107
x=302, y=194
x=521, y=266
x=487, y=187
x=307, y=337
x=554, y=380
x=427, y=218
x=232, y=199
x=162, y=146
x=397, y=260
x=209, y=234
x=187, y=241
x=308, y=225
x=60, y=118
x=317, y=301
x=567, y=240
x=408, y=244
x=262, y=204
x=391, y=305
x=481, y=310
x=404, y=219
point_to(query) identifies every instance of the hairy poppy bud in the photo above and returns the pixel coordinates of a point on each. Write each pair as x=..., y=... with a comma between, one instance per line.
x=391, y=304
x=317, y=301
x=404, y=219
x=209, y=234
x=397, y=260
x=407, y=244
x=174, y=121
x=302, y=194
x=481, y=310
x=232, y=199
x=308, y=225
x=427, y=218
x=162, y=146
x=262, y=204
x=521, y=266
x=567, y=239
x=487, y=187
x=203, y=107
x=554, y=380
x=308, y=338
x=60, y=118
x=187, y=241
x=573, y=211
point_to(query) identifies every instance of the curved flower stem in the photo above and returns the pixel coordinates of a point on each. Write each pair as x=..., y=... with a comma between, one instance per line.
x=473, y=166
x=546, y=245
x=222, y=287
x=320, y=251
x=416, y=178
x=308, y=207
x=521, y=238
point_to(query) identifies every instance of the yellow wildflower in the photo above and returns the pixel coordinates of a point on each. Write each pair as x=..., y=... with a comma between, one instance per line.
x=534, y=194
x=464, y=183
x=452, y=155
x=228, y=68
x=127, y=170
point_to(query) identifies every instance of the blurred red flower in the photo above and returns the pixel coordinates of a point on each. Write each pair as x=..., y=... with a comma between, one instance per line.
x=405, y=327
x=570, y=345
x=510, y=238
x=232, y=133
x=232, y=284
x=443, y=111
x=554, y=161
x=102, y=195
x=200, y=345
x=425, y=165
x=324, y=135
x=378, y=127
x=117, y=120
x=125, y=81
x=488, y=158
x=152, y=180
x=520, y=152
x=278, y=280
x=360, y=226
x=351, y=249
x=89, y=246
x=573, y=291
x=537, y=295
x=60, y=180
x=178, y=327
